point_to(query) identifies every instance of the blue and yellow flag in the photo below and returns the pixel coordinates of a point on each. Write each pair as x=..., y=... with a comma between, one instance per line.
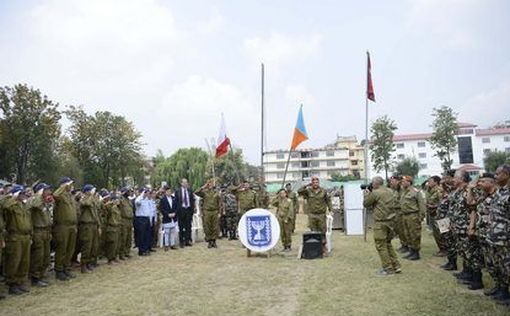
x=300, y=134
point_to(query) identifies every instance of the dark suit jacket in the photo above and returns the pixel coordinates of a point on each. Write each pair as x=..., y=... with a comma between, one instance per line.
x=167, y=209
x=179, y=198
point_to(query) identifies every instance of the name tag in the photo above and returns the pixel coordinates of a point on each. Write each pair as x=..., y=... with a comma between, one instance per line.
x=443, y=225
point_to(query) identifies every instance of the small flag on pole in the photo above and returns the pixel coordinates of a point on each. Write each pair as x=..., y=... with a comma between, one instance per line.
x=300, y=134
x=223, y=140
x=370, y=86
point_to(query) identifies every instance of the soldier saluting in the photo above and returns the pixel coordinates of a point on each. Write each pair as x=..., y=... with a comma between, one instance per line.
x=211, y=212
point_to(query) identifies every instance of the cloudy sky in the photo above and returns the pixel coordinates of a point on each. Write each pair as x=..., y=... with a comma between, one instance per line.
x=172, y=67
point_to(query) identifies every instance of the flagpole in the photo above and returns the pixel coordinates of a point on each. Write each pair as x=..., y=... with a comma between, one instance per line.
x=286, y=167
x=365, y=213
x=212, y=161
x=262, y=122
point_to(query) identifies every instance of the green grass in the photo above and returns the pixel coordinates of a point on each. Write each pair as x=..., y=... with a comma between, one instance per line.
x=201, y=281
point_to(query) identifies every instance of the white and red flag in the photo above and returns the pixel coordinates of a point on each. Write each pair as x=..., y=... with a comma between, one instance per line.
x=223, y=140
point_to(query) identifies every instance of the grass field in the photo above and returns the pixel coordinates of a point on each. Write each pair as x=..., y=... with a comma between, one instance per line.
x=223, y=281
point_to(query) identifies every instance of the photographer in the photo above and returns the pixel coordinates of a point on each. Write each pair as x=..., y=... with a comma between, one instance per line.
x=381, y=200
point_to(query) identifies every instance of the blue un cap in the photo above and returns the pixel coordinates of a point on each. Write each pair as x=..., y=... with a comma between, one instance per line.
x=87, y=188
x=65, y=180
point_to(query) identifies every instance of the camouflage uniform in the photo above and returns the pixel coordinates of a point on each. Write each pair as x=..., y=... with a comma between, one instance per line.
x=433, y=198
x=231, y=213
x=482, y=227
x=498, y=232
x=473, y=249
x=443, y=211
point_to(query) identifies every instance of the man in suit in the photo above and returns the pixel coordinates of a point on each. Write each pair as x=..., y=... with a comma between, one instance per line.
x=185, y=201
x=168, y=208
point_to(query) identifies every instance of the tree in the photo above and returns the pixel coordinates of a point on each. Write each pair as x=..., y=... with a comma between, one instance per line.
x=408, y=166
x=382, y=145
x=337, y=177
x=230, y=168
x=494, y=159
x=30, y=130
x=444, y=139
x=190, y=163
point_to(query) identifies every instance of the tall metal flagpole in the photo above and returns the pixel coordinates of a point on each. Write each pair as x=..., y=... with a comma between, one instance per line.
x=365, y=213
x=262, y=123
x=212, y=160
x=286, y=167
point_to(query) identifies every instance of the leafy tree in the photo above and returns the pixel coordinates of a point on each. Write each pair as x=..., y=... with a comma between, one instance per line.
x=189, y=163
x=494, y=159
x=408, y=166
x=30, y=130
x=230, y=168
x=382, y=145
x=337, y=177
x=444, y=139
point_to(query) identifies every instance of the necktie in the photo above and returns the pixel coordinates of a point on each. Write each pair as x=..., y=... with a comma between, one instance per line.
x=186, y=202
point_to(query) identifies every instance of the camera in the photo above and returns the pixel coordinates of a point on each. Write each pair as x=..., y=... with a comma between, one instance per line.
x=368, y=187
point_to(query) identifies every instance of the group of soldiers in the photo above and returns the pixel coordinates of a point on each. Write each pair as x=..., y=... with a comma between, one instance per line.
x=38, y=220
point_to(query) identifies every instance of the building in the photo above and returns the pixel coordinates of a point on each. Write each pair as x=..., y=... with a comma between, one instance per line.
x=343, y=157
x=473, y=144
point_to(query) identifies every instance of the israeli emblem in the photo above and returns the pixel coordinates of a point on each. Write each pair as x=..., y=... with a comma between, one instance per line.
x=259, y=230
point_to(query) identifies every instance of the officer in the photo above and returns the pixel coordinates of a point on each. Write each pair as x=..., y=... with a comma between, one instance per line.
x=65, y=229
x=39, y=205
x=284, y=210
x=89, y=228
x=382, y=202
x=295, y=205
x=211, y=212
x=18, y=227
x=246, y=197
x=113, y=218
x=318, y=204
x=413, y=212
x=433, y=198
x=262, y=195
x=126, y=211
x=399, y=226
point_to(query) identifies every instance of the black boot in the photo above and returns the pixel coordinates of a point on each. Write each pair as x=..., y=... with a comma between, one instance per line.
x=414, y=255
x=403, y=249
x=503, y=294
x=476, y=282
x=209, y=244
x=214, y=243
x=493, y=291
x=60, y=275
x=465, y=273
x=451, y=265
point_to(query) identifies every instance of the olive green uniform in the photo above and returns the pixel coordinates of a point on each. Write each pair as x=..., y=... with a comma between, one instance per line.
x=89, y=227
x=284, y=211
x=318, y=204
x=18, y=226
x=413, y=211
x=433, y=198
x=399, y=224
x=65, y=219
x=211, y=212
x=126, y=235
x=247, y=200
x=113, y=219
x=41, y=237
x=295, y=208
x=382, y=202
x=263, y=197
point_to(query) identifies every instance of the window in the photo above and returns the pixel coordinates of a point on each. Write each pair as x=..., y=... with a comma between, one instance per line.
x=486, y=151
x=352, y=153
x=486, y=140
x=465, y=149
x=314, y=164
x=304, y=174
x=315, y=154
x=354, y=162
x=330, y=163
x=305, y=154
x=401, y=156
x=507, y=138
x=507, y=149
x=330, y=153
x=279, y=175
x=305, y=164
x=295, y=164
x=280, y=156
x=422, y=155
x=400, y=145
x=280, y=165
x=423, y=166
x=421, y=144
x=294, y=154
x=316, y=174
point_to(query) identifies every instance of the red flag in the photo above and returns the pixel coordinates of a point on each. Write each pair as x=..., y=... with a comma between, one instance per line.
x=370, y=86
x=223, y=140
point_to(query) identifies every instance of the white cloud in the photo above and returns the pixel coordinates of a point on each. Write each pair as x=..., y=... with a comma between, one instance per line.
x=488, y=107
x=279, y=50
x=213, y=24
x=299, y=94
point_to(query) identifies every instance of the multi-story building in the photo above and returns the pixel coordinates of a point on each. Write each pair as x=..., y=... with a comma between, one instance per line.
x=473, y=144
x=344, y=157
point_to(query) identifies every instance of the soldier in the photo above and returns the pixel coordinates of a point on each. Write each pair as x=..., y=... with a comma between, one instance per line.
x=4, y=194
x=112, y=225
x=399, y=226
x=318, y=204
x=413, y=212
x=444, y=213
x=39, y=205
x=284, y=209
x=89, y=228
x=295, y=205
x=262, y=195
x=65, y=228
x=433, y=198
x=246, y=197
x=18, y=227
x=382, y=201
x=497, y=233
x=211, y=212
x=155, y=220
x=126, y=211
x=229, y=207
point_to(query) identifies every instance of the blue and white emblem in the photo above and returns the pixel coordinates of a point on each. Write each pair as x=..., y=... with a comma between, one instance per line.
x=259, y=230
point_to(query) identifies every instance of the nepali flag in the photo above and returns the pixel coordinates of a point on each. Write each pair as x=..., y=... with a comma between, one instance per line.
x=370, y=86
x=300, y=134
x=223, y=140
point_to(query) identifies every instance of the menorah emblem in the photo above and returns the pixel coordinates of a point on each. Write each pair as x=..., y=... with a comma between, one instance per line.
x=259, y=230
x=258, y=226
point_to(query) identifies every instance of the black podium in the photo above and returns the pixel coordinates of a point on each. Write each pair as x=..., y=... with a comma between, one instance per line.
x=312, y=245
